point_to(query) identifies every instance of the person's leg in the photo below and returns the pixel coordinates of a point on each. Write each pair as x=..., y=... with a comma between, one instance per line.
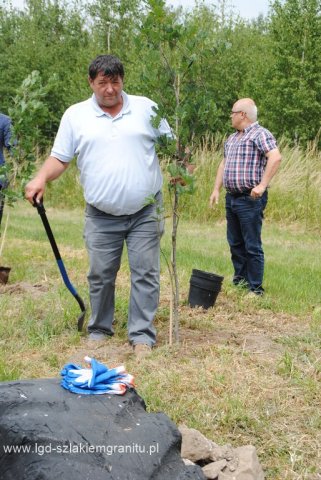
x=250, y=214
x=143, y=245
x=104, y=236
x=236, y=243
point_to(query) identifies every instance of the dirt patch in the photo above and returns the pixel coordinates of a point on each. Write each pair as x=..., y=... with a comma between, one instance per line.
x=241, y=337
x=109, y=352
x=258, y=343
x=34, y=290
x=253, y=330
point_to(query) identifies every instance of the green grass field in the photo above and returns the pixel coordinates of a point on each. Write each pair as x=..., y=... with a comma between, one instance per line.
x=243, y=372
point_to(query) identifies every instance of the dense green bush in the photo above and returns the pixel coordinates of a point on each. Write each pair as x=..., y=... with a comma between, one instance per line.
x=275, y=60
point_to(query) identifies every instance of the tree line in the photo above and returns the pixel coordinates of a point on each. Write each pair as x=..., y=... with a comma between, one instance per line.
x=275, y=59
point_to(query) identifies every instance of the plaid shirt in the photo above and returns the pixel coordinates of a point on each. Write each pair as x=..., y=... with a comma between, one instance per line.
x=245, y=157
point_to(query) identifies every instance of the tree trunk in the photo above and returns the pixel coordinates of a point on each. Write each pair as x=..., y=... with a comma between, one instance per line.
x=175, y=291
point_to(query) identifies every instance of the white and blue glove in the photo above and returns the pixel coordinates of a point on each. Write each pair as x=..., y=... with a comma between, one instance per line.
x=96, y=380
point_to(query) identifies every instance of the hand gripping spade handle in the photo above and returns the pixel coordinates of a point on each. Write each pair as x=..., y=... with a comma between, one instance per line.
x=42, y=212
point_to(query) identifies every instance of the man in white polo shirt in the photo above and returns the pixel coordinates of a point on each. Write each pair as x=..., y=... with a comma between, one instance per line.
x=113, y=138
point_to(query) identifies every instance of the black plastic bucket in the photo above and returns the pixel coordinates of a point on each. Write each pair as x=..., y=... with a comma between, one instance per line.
x=204, y=288
x=4, y=275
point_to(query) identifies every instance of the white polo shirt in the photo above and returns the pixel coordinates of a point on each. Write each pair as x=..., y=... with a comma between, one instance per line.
x=116, y=156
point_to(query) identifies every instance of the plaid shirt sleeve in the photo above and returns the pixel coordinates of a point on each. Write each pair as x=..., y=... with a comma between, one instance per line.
x=265, y=142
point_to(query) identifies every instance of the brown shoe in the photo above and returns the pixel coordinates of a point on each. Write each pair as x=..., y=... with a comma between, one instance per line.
x=142, y=350
x=96, y=340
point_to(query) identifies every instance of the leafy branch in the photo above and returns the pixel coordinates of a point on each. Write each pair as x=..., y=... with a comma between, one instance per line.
x=28, y=113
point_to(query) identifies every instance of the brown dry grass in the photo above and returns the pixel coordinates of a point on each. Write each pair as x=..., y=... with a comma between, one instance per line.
x=227, y=377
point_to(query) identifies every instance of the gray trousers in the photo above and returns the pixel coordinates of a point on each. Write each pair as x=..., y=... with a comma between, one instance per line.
x=105, y=235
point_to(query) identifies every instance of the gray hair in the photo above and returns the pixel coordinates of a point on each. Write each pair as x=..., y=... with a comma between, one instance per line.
x=251, y=112
x=247, y=105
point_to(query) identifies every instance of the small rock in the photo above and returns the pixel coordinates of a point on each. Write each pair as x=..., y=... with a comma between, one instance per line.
x=248, y=468
x=187, y=461
x=225, y=452
x=195, y=446
x=212, y=470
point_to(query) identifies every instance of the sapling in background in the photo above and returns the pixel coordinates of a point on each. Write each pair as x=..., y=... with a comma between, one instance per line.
x=173, y=73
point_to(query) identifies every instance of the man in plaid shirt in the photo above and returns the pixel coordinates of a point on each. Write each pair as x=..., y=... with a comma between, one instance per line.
x=251, y=159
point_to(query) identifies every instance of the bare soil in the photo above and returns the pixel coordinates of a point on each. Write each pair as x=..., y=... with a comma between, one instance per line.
x=253, y=330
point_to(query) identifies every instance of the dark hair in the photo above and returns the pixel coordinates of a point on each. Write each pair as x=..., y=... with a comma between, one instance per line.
x=110, y=65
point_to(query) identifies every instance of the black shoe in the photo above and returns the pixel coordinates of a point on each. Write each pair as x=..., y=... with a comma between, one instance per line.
x=240, y=282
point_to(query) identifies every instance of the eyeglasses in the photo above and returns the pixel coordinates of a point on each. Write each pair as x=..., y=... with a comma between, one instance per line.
x=238, y=111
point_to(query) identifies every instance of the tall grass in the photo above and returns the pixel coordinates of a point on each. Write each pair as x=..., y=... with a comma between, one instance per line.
x=296, y=189
x=295, y=193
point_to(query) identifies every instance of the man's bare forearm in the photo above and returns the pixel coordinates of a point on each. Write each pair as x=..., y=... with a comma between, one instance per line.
x=50, y=170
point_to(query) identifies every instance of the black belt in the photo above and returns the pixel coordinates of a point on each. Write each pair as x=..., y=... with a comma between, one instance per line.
x=244, y=193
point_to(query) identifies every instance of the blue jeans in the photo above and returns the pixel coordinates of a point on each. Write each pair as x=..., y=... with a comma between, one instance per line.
x=244, y=216
x=105, y=236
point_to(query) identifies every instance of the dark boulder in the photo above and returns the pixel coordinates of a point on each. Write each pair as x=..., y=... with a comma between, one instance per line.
x=48, y=433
